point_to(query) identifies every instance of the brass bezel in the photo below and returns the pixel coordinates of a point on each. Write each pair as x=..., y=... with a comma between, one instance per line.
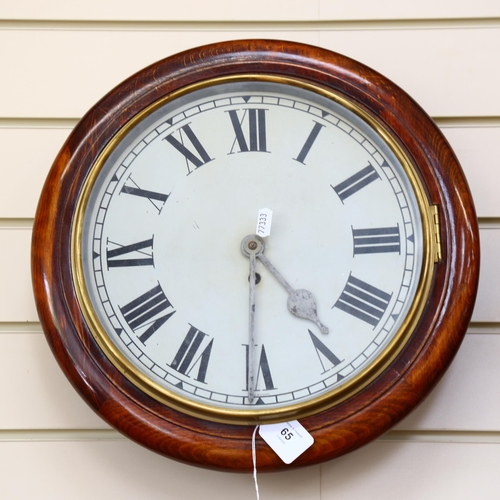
x=298, y=410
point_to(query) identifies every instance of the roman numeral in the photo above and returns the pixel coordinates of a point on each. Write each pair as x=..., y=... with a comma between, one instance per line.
x=376, y=240
x=256, y=135
x=356, y=182
x=198, y=157
x=184, y=361
x=324, y=354
x=137, y=254
x=263, y=369
x=155, y=198
x=309, y=142
x=143, y=313
x=363, y=301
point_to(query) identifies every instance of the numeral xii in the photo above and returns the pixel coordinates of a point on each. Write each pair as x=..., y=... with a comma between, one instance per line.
x=255, y=139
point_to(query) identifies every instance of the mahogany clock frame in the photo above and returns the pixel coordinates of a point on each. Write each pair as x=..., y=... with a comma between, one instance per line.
x=345, y=427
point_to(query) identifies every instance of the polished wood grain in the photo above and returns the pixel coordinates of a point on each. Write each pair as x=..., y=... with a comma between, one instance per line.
x=349, y=425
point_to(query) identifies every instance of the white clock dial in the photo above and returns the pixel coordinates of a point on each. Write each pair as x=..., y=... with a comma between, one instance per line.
x=168, y=206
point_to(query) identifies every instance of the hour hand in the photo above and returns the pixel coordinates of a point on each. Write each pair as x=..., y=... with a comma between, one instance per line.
x=301, y=303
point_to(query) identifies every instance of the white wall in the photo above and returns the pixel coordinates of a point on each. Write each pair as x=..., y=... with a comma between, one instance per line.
x=57, y=57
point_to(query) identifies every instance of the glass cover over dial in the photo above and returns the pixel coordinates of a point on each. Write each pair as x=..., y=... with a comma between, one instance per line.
x=199, y=324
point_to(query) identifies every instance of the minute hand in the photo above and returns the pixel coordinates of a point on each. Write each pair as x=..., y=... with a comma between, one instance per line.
x=300, y=303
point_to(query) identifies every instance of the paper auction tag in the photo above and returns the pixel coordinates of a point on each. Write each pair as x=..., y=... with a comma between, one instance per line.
x=288, y=439
x=264, y=220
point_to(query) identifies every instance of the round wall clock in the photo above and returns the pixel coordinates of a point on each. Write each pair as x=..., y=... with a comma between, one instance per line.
x=185, y=318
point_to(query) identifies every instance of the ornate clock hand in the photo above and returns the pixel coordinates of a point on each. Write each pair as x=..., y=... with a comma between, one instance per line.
x=251, y=331
x=251, y=247
x=301, y=303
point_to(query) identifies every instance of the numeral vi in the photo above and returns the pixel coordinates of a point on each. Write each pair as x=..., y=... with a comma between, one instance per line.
x=263, y=369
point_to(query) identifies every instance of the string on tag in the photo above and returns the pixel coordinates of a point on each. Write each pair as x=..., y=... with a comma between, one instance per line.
x=254, y=458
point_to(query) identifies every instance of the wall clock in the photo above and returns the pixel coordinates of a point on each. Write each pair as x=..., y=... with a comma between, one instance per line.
x=181, y=326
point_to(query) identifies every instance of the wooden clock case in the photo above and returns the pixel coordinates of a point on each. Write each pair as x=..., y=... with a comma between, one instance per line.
x=350, y=424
